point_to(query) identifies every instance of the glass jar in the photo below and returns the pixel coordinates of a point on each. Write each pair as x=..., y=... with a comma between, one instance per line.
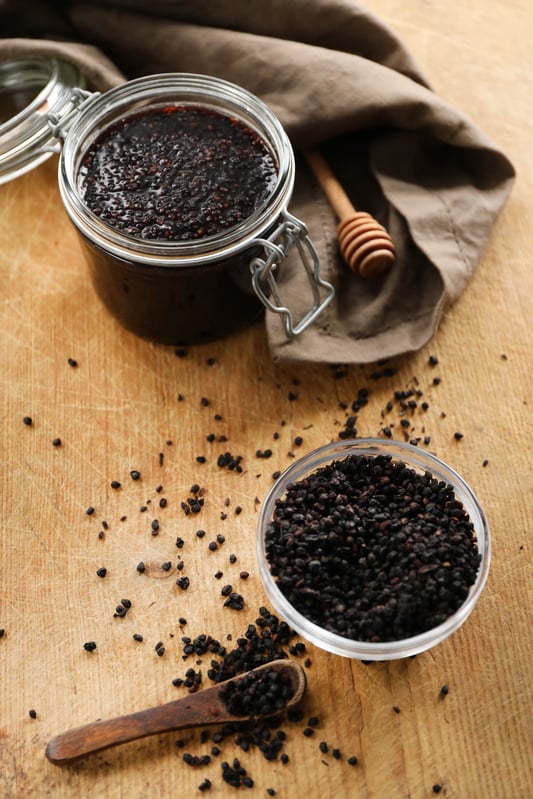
x=417, y=460
x=31, y=89
x=185, y=291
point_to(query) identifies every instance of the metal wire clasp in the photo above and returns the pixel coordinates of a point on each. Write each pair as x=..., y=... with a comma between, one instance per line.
x=59, y=124
x=276, y=248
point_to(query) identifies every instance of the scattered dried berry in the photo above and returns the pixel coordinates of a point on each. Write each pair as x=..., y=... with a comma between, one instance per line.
x=122, y=609
x=229, y=461
x=234, y=601
x=236, y=775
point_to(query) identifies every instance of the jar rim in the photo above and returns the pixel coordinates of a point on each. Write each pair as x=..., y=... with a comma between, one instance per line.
x=162, y=89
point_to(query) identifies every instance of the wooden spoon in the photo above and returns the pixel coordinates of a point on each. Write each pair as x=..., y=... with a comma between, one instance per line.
x=365, y=245
x=198, y=709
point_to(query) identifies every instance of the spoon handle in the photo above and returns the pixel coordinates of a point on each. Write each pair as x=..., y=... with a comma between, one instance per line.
x=190, y=711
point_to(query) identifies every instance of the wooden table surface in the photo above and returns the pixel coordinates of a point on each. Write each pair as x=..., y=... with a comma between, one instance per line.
x=120, y=408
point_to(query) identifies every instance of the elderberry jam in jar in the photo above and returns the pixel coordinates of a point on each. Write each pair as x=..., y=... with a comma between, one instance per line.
x=178, y=186
x=372, y=549
x=178, y=173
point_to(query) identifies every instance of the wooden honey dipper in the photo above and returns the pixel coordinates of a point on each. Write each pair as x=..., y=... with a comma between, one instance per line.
x=365, y=245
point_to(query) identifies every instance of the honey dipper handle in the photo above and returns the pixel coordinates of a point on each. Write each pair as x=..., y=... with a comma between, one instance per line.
x=331, y=186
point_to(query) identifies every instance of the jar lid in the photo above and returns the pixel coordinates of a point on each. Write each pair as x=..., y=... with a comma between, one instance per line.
x=31, y=89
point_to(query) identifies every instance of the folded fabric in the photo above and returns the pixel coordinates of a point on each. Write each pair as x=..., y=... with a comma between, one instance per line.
x=337, y=78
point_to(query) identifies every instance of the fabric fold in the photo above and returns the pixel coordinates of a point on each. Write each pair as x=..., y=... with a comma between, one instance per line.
x=337, y=78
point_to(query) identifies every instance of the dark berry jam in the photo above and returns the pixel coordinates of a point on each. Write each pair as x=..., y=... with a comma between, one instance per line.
x=178, y=173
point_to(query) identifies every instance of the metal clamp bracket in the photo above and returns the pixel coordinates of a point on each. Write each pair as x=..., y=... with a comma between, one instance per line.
x=59, y=124
x=291, y=232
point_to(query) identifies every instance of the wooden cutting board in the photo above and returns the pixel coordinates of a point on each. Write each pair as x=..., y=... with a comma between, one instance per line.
x=127, y=405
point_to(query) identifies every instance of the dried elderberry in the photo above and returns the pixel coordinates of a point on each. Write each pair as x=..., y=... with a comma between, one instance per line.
x=259, y=693
x=372, y=550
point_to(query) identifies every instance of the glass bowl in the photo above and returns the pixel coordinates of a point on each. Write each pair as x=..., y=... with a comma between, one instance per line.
x=421, y=462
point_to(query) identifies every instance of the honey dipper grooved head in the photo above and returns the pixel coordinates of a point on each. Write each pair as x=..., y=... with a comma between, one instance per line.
x=365, y=245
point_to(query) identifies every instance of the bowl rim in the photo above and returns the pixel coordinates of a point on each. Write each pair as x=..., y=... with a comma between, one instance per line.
x=418, y=459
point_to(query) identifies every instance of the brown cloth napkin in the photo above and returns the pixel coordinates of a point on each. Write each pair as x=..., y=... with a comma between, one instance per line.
x=337, y=77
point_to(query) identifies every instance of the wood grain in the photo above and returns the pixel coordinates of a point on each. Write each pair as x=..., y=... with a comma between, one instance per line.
x=119, y=408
